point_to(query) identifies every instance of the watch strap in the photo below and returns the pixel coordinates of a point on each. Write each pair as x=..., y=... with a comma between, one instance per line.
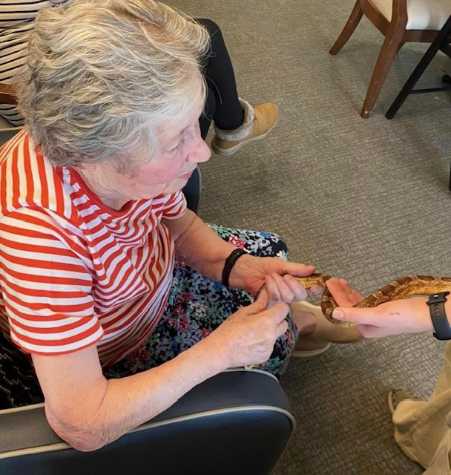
x=439, y=319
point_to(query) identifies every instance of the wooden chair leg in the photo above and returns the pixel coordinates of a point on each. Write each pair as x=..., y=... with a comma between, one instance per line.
x=348, y=30
x=387, y=54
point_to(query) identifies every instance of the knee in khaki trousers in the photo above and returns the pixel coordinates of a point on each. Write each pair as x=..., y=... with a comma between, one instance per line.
x=423, y=428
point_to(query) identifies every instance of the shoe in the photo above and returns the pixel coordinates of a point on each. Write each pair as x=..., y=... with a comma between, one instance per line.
x=395, y=396
x=307, y=346
x=258, y=122
x=326, y=330
x=323, y=335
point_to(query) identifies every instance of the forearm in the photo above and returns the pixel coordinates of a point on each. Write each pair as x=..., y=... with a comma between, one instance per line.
x=201, y=248
x=123, y=404
x=410, y=315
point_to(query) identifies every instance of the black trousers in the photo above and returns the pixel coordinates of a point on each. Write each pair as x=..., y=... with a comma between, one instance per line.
x=222, y=105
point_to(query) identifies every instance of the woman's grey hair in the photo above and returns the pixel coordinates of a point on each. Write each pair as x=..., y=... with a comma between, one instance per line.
x=103, y=75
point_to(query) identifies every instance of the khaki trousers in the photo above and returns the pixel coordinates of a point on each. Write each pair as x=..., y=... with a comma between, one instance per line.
x=423, y=428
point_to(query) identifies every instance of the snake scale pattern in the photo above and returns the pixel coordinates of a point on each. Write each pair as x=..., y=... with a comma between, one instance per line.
x=398, y=289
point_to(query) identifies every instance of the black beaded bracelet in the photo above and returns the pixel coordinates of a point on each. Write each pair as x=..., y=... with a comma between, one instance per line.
x=229, y=263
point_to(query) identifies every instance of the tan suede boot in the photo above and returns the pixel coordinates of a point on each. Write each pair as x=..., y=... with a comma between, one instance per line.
x=324, y=333
x=257, y=123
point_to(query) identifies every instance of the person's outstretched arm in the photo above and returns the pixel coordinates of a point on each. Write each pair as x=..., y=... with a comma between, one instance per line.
x=409, y=315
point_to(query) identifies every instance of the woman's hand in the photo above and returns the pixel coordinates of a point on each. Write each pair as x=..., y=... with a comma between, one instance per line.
x=391, y=318
x=247, y=337
x=250, y=273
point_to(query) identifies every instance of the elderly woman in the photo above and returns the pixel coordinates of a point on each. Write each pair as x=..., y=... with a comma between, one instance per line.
x=111, y=295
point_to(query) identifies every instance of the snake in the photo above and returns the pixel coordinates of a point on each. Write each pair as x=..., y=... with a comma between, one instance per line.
x=401, y=288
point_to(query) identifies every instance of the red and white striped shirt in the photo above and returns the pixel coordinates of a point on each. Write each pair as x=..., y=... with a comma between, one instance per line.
x=73, y=272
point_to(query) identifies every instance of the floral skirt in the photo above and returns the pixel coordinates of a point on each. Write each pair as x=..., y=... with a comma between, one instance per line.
x=198, y=305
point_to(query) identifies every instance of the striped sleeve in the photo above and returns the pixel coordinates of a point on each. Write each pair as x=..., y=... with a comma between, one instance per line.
x=46, y=285
x=174, y=205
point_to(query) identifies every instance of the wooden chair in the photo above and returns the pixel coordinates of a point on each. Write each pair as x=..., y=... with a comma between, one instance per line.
x=7, y=130
x=400, y=21
x=7, y=95
x=441, y=43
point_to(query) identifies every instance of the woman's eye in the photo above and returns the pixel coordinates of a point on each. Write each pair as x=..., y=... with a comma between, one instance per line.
x=186, y=137
x=177, y=146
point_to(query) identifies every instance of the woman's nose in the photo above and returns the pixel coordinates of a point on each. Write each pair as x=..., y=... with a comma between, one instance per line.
x=200, y=152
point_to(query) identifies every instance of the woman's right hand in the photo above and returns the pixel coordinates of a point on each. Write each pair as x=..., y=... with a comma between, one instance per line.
x=248, y=335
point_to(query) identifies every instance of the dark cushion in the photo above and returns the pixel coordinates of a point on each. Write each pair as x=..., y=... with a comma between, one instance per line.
x=237, y=422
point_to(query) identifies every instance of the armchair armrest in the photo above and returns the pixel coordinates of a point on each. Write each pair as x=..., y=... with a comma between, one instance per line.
x=237, y=422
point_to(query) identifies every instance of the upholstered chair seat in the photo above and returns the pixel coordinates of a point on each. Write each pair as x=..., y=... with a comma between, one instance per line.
x=421, y=14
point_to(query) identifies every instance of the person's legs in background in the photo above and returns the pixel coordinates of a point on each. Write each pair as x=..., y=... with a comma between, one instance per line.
x=236, y=122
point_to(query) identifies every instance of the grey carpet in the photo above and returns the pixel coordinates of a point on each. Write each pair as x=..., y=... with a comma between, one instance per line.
x=363, y=199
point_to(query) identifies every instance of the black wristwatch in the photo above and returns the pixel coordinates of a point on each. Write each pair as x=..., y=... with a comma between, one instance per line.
x=440, y=322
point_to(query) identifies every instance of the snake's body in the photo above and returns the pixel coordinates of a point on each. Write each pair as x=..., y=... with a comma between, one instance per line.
x=396, y=290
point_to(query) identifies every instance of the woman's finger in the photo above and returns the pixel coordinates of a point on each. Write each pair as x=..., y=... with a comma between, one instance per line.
x=282, y=328
x=294, y=268
x=261, y=302
x=315, y=289
x=299, y=292
x=278, y=312
x=285, y=292
x=370, y=331
x=273, y=291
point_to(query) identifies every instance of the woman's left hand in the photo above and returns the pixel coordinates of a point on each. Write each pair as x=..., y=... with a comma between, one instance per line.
x=251, y=273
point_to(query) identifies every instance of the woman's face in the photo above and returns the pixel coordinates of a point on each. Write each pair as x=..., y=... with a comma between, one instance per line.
x=181, y=149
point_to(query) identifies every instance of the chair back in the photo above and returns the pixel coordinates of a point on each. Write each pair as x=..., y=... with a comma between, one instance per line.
x=415, y=15
x=383, y=13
